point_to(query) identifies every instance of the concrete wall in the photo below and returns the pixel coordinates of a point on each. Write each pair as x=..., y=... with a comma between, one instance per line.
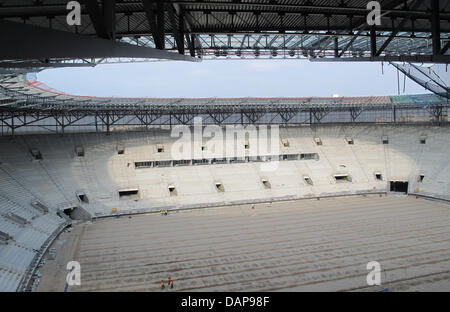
x=102, y=172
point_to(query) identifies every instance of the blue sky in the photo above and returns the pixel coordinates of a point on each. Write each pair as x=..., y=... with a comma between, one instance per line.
x=238, y=78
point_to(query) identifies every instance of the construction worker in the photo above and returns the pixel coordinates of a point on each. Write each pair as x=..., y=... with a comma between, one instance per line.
x=171, y=284
x=162, y=285
x=253, y=206
x=168, y=280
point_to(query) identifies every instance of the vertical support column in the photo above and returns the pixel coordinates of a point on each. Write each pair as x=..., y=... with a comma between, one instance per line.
x=435, y=27
x=62, y=124
x=107, y=123
x=109, y=15
x=145, y=117
x=439, y=115
x=336, y=47
x=181, y=33
x=177, y=28
x=160, y=24
x=192, y=45
x=373, y=41
x=155, y=19
x=55, y=116
x=12, y=125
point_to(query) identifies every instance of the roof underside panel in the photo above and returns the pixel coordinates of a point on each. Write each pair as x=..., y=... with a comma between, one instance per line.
x=321, y=30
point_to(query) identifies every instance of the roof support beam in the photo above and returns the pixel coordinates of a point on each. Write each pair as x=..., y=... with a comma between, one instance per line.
x=399, y=26
x=435, y=27
x=103, y=18
x=177, y=28
x=43, y=43
x=349, y=44
x=273, y=40
x=155, y=19
x=321, y=40
x=445, y=48
x=109, y=14
x=160, y=23
x=193, y=38
x=361, y=24
x=243, y=40
x=373, y=41
x=191, y=44
x=336, y=46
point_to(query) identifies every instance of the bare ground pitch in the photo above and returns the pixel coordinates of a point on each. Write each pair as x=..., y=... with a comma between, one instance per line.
x=306, y=245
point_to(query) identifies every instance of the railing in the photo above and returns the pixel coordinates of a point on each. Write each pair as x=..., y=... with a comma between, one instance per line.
x=24, y=283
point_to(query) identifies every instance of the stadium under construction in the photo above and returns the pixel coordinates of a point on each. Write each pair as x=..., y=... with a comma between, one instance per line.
x=99, y=181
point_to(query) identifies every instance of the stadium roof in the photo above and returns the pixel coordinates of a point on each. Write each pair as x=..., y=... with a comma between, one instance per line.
x=26, y=93
x=435, y=78
x=36, y=34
